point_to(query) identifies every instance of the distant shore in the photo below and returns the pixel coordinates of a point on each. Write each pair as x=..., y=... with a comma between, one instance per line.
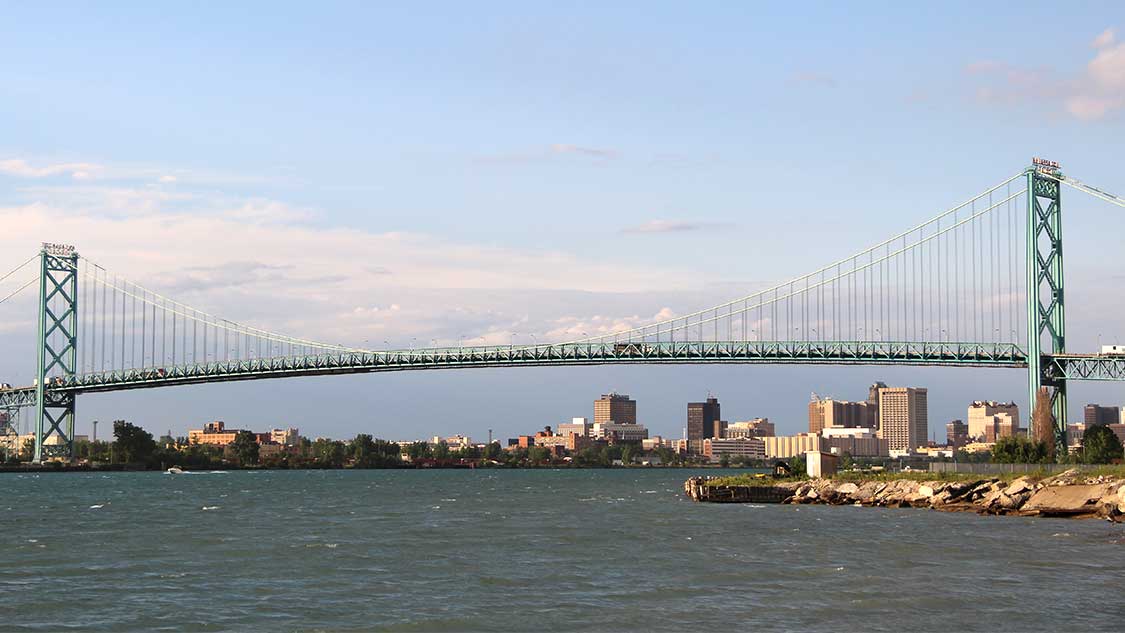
x=59, y=467
x=1070, y=494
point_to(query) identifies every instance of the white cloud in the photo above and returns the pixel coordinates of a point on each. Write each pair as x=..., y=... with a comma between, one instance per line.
x=252, y=260
x=593, y=152
x=23, y=169
x=551, y=152
x=1106, y=38
x=1096, y=92
x=576, y=327
x=671, y=226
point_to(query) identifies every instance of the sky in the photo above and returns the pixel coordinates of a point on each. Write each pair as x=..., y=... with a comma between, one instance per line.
x=379, y=174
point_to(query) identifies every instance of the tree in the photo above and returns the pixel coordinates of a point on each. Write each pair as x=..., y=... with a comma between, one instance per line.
x=724, y=461
x=628, y=452
x=245, y=447
x=797, y=464
x=441, y=451
x=492, y=451
x=1100, y=445
x=418, y=450
x=133, y=443
x=538, y=454
x=1017, y=449
x=1043, y=422
x=363, y=450
x=329, y=453
x=27, y=451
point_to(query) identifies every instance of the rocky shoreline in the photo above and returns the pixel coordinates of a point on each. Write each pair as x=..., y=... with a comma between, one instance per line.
x=1068, y=494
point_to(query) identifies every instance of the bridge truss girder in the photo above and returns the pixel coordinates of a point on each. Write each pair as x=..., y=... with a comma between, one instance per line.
x=679, y=352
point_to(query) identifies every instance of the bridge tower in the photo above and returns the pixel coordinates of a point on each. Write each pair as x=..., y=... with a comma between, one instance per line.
x=56, y=350
x=1046, y=325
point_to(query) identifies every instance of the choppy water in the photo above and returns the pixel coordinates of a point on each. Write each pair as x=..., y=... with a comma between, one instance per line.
x=523, y=550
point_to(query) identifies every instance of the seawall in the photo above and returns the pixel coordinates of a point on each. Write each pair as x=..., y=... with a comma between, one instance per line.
x=1068, y=494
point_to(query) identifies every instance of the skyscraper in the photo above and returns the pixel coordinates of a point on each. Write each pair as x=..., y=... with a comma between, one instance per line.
x=615, y=407
x=703, y=419
x=873, y=404
x=828, y=413
x=903, y=417
x=985, y=415
x=1096, y=414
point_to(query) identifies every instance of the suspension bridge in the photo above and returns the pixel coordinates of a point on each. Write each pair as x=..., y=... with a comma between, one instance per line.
x=978, y=285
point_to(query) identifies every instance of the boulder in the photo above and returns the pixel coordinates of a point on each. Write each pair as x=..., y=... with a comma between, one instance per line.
x=1013, y=501
x=1018, y=486
x=847, y=489
x=926, y=491
x=1066, y=500
x=1065, y=478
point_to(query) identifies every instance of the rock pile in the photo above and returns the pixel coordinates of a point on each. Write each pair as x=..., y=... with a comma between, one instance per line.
x=1068, y=494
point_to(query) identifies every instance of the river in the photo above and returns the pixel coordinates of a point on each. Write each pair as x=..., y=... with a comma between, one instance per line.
x=523, y=550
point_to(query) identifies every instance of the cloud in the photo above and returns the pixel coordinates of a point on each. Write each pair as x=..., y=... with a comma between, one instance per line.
x=253, y=260
x=1094, y=93
x=1106, y=38
x=551, y=152
x=576, y=327
x=672, y=226
x=592, y=152
x=22, y=169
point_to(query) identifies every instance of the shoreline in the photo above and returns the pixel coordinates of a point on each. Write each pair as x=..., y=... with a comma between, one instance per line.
x=1069, y=494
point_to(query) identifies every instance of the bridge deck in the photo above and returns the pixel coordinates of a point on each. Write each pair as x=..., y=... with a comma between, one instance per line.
x=680, y=352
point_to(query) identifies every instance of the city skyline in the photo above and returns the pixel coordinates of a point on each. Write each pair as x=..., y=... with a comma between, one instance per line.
x=413, y=199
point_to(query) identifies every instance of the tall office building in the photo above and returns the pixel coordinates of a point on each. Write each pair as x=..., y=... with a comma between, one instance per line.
x=826, y=413
x=1096, y=414
x=986, y=415
x=703, y=420
x=873, y=405
x=615, y=407
x=903, y=417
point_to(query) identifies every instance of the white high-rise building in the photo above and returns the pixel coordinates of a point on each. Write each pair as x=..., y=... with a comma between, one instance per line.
x=903, y=417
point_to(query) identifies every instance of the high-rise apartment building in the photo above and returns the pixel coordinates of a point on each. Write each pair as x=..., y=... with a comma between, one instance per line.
x=1096, y=414
x=703, y=420
x=985, y=415
x=903, y=417
x=615, y=407
x=828, y=413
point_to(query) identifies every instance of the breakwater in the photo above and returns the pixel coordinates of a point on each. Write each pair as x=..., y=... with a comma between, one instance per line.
x=1068, y=494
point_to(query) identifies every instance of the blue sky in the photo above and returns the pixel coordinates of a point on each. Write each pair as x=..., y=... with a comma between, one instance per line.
x=539, y=168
